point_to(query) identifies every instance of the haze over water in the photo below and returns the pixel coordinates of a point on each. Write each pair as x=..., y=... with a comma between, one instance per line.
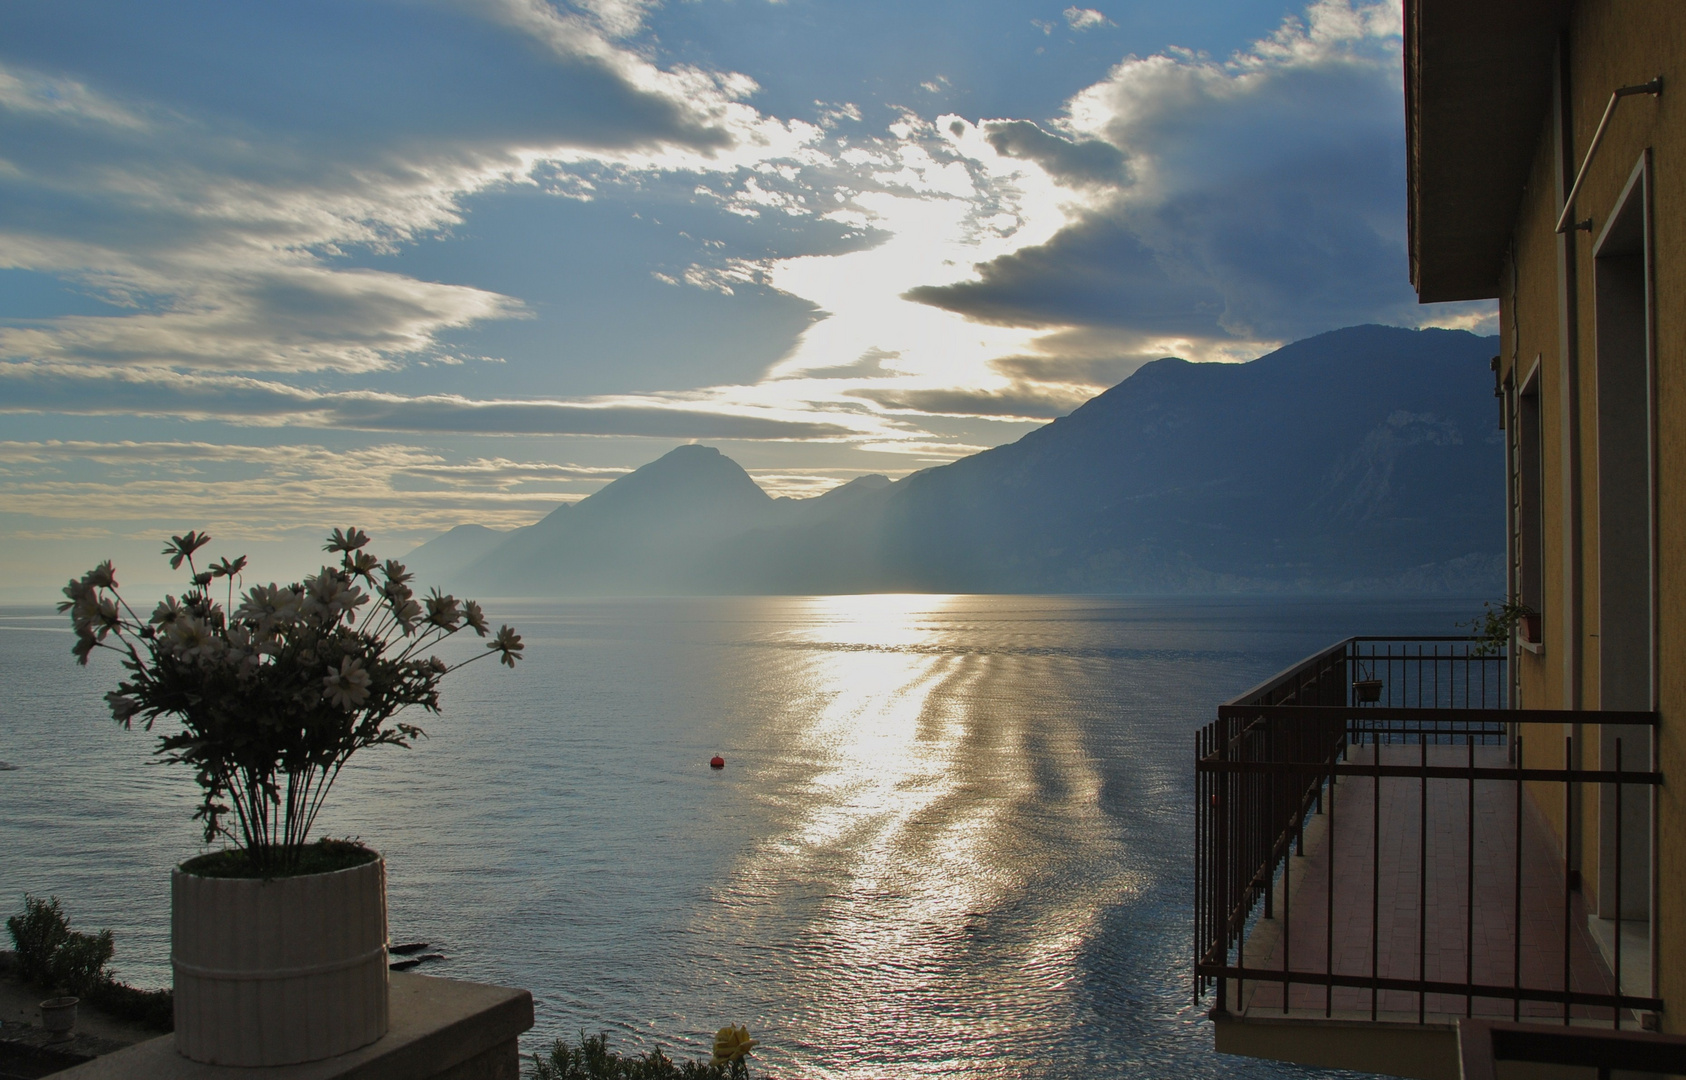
x=953, y=836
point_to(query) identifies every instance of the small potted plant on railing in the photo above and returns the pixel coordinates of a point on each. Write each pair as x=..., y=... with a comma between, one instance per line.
x=278, y=945
x=1366, y=688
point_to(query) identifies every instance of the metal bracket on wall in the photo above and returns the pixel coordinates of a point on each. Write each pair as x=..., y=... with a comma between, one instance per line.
x=1655, y=89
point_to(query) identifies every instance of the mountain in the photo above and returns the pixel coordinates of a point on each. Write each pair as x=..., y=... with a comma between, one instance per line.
x=446, y=556
x=655, y=530
x=1361, y=460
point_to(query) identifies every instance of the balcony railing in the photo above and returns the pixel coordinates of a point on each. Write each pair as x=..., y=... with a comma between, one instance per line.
x=1435, y=889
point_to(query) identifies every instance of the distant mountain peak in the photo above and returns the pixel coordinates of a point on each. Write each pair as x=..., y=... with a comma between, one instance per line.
x=860, y=484
x=688, y=478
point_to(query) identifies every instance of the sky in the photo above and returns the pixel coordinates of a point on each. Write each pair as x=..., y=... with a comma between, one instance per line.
x=266, y=269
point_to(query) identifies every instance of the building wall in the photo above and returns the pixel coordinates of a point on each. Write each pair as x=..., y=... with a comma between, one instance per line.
x=1610, y=43
x=1530, y=356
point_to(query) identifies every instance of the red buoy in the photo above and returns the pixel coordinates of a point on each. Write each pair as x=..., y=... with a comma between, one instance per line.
x=717, y=762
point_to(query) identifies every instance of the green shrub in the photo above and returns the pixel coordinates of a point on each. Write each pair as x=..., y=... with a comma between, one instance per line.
x=55, y=957
x=155, y=1009
x=38, y=934
x=79, y=964
x=593, y=1060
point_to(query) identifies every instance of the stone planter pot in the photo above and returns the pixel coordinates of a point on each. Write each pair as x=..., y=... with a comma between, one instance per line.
x=58, y=1017
x=278, y=972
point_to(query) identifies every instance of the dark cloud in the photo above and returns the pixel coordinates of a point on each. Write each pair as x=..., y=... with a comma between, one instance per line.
x=1090, y=161
x=870, y=364
x=1256, y=200
x=1068, y=370
x=1281, y=256
x=1020, y=402
x=1096, y=271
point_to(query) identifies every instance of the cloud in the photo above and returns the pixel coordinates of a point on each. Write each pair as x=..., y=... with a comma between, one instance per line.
x=42, y=388
x=831, y=115
x=284, y=318
x=502, y=473
x=1081, y=19
x=298, y=458
x=1090, y=161
x=1086, y=376
x=1255, y=199
x=26, y=92
x=268, y=491
x=301, y=460
x=1024, y=401
x=869, y=365
x=212, y=192
x=1098, y=271
x=1180, y=206
x=686, y=106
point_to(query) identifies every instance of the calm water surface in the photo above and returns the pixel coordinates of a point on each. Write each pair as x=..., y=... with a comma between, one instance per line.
x=953, y=836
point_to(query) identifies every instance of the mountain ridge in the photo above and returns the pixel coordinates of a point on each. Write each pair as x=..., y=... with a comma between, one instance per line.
x=1363, y=459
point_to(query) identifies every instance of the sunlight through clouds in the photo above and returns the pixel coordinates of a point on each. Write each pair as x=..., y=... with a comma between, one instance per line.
x=198, y=242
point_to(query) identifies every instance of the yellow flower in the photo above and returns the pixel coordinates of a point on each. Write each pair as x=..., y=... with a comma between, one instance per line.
x=732, y=1043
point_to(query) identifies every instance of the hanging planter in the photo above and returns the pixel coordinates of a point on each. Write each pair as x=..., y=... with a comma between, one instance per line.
x=1366, y=688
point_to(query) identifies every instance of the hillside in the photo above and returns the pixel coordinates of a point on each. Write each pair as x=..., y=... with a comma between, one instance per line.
x=1361, y=460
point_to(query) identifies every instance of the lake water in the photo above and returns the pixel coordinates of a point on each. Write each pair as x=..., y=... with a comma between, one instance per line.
x=953, y=836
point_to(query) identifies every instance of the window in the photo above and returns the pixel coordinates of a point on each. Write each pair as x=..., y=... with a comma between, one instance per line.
x=1528, y=509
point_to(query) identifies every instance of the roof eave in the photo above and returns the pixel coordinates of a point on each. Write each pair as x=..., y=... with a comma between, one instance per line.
x=1478, y=79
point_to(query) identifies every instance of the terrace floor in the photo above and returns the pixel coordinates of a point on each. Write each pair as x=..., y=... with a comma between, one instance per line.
x=1448, y=945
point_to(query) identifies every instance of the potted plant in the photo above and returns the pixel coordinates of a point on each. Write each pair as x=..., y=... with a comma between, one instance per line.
x=278, y=945
x=1366, y=688
x=1494, y=627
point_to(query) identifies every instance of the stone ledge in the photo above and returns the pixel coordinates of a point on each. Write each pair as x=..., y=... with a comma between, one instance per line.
x=438, y=1028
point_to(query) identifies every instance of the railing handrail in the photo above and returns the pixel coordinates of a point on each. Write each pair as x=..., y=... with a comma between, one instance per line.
x=1283, y=675
x=1216, y=764
x=1408, y=713
x=1342, y=649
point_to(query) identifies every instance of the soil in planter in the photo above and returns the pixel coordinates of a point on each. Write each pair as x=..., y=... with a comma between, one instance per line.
x=322, y=857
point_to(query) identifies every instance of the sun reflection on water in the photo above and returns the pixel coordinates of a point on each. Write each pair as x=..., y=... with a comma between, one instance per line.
x=907, y=834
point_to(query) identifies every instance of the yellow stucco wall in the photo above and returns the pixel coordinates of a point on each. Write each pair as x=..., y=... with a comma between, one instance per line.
x=1611, y=43
x=1530, y=354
